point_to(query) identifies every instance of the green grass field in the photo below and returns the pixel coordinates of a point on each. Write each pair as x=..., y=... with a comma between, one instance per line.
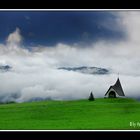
x=106, y=114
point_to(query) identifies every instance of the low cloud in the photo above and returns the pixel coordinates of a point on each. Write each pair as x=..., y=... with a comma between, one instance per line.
x=34, y=73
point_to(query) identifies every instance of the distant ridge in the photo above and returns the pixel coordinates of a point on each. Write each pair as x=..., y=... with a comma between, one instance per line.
x=87, y=70
x=5, y=68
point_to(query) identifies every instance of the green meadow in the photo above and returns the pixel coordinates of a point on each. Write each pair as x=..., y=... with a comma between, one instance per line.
x=101, y=114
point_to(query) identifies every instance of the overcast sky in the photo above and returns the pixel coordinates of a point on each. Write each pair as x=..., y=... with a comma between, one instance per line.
x=35, y=44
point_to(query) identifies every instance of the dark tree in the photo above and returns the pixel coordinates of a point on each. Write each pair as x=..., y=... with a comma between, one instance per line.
x=91, y=97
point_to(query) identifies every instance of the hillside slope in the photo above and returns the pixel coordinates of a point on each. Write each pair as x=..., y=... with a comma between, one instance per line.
x=79, y=114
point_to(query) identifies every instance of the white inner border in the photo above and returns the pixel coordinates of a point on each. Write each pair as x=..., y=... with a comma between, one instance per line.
x=81, y=11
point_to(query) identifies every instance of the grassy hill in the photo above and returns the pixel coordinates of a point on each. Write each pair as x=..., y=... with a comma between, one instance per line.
x=68, y=115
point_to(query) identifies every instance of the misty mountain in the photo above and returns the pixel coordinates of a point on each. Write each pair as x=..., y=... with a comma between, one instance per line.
x=5, y=68
x=35, y=99
x=87, y=70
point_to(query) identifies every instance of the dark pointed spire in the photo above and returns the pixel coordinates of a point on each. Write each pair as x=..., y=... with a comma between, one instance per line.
x=118, y=88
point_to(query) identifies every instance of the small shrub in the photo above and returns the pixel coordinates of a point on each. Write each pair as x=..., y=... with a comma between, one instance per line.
x=91, y=97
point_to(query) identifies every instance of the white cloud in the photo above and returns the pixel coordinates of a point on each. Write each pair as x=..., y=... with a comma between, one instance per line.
x=14, y=38
x=34, y=73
